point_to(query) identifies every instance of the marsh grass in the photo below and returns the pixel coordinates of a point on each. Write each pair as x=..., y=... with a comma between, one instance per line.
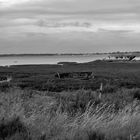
x=14, y=129
x=73, y=115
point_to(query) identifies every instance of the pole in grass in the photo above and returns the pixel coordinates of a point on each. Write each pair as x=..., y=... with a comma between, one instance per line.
x=101, y=91
x=58, y=75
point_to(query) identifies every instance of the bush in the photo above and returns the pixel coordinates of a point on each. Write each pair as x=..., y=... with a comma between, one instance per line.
x=136, y=94
x=5, y=86
x=13, y=130
x=109, y=88
x=95, y=136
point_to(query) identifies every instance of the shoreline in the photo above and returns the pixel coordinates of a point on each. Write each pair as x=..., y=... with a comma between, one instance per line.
x=71, y=54
x=73, y=63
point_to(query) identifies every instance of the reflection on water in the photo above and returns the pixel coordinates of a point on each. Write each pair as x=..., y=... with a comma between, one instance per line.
x=54, y=59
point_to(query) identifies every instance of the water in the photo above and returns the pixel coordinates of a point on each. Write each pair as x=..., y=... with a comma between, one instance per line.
x=47, y=59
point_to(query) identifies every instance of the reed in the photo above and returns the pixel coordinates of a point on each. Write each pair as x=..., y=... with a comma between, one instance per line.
x=41, y=117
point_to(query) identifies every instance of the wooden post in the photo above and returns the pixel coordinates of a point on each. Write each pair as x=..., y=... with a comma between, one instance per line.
x=92, y=75
x=100, y=91
x=101, y=87
x=58, y=75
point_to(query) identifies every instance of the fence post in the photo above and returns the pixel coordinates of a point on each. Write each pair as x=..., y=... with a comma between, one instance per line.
x=100, y=91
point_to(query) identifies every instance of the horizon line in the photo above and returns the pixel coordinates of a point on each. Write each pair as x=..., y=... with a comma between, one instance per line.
x=8, y=54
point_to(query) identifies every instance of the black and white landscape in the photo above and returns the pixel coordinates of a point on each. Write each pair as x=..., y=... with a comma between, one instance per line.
x=69, y=70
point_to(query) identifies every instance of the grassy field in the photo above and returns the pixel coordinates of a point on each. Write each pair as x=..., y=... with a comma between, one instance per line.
x=37, y=105
x=80, y=115
x=42, y=77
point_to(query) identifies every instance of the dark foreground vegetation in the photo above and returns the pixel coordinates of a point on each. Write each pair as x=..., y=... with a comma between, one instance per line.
x=55, y=102
x=45, y=77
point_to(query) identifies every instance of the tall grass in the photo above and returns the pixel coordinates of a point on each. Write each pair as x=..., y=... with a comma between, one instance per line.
x=51, y=116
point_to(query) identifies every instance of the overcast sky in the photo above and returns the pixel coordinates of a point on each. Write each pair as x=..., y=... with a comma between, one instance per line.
x=69, y=26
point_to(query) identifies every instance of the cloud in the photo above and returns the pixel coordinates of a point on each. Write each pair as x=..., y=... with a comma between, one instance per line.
x=8, y=3
x=67, y=20
x=71, y=5
x=28, y=8
x=14, y=3
x=22, y=27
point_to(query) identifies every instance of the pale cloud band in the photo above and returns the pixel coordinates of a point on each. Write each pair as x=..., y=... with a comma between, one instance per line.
x=100, y=20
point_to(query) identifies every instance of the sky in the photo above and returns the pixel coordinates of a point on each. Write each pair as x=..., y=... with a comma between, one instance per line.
x=69, y=26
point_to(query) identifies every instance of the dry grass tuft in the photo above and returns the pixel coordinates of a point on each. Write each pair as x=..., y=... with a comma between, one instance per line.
x=39, y=116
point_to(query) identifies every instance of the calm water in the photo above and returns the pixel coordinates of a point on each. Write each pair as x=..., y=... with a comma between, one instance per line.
x=27, y=60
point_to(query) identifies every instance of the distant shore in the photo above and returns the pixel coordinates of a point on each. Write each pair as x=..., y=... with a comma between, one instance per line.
x=10, y=55
x=54, y=54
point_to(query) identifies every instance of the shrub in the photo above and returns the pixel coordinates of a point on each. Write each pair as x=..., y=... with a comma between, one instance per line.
x=109, y=88
x=136, y=94
x=92, y=135
x=14, y=130
x=5, y=87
